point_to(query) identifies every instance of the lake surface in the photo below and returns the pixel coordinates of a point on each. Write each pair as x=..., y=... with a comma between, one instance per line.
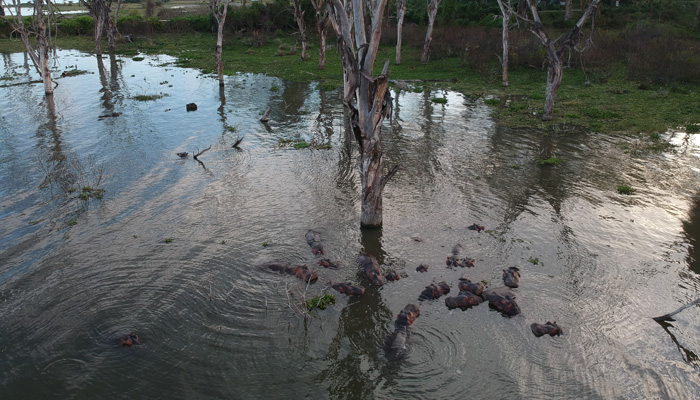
x=173, y=251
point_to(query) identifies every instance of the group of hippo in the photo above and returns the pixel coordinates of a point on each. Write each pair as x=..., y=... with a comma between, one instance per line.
x=470, y=293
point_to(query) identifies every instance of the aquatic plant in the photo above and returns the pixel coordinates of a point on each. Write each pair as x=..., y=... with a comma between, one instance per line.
x=148, y=97
x=320, y=302
x=439, y=100
x=534, y=261
x=169, y=240
x=550, y=161
x=625, y=189
x=515, y=166
x=72, y=222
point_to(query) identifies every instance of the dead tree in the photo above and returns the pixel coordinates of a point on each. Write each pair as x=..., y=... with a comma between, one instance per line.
x=400, y=13
x=101, y=13
x=432, y=12
x=554, y=54
x=507, y=13
x=299, y=17
x=367, y=100
x=112, y=31
x=38, y=49
x=218, y=9
x=568, y=5
x=322, y=24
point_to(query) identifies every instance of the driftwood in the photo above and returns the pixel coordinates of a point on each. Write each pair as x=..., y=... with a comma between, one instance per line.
x=235, y=145
x=266, y=117
x=199, y=153
x=668, y=317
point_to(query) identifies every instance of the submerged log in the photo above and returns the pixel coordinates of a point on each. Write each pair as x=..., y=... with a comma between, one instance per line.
x=667, y=317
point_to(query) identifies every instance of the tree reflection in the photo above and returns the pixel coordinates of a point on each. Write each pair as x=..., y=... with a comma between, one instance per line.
x=691, y=228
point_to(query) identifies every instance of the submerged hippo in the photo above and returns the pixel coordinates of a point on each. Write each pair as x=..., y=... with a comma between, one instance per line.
x=348, y=289
x=464, y=300
x=422, y=268
x=314, y=240
x=466, y=285
x=503, y=300
x=302, y=272
x=453, y=259
x=434, y=291
x=129, y=340
x=511, y=277
x=476, y=227
x=395, y=345
x=326, y=263
x=548, y=328
x=467, y=262
x=372, y=270
x=392, y=275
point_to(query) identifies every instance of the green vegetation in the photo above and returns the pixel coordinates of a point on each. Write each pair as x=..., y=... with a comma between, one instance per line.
x=492, y=102
x=301, y=145
x=148, y=97
x=138, y=58
x=534, y=261
x=73, y=72
x=625, y=189
x=320, y=302
x=515, y=166
x=231, y=128
x=439, y=100
x=72, y=222
x=169, y=240
x=265, y=243
x=550, y=161
x=87, y=193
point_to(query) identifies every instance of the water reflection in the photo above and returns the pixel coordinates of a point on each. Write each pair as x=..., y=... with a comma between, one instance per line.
x=691, y=228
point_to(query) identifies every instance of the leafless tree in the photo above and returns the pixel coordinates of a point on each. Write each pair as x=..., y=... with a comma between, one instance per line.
x=218, y=9
x=101, y=13
x=432, y=12
x=322, y=24
x=299, y=16
x=507, y=13
x=367, y=100
x=37, y=49
x=400, y=13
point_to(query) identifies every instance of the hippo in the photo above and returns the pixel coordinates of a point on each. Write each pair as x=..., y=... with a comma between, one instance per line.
x=422, y=268
x=476, y=227
x=314, y=240
x=511, y=277
x=112, y=115
x=348, y=289
x=326, y=263
x=129, y=340
x=372, y=270
x=466, y=285
x=467, y=262
x=548, y=328
x=503, y=300
x=183, y=154
x=434, y=291
x=464, y=300
x=302, y=272
x=191, y=107
x=396, y=343
x=392, y=275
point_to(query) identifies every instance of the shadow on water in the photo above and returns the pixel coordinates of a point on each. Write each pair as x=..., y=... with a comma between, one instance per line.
x=691, y=229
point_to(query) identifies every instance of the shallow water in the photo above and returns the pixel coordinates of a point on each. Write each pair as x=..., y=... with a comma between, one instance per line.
x=173, y=251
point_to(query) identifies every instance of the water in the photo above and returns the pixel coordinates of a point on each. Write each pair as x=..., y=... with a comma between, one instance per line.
x=173, y=251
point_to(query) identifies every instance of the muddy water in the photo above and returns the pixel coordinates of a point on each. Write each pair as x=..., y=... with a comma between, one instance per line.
x=173, y=250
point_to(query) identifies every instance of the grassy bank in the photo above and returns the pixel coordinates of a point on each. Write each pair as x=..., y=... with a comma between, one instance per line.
x=598, y=101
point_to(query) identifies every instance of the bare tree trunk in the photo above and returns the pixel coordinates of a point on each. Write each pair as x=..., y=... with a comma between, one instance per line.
x=368, y=102
x=568, y=5
x=554, y=70
x=40, y=54
x=432, y=12
x=101, y=13
x=112, y=31
x=322, y=22
x=219, y=11
x=400, y=13
x=506, y=12
x=697, y=17
x=299, y=16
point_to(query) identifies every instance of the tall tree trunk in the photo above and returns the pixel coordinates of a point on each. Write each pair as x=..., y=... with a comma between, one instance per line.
x=40, y=54
x=432, y=12
x=219, y=11
x=368, y=102
x=506, y=12
x=299, y=16
x=322, y=22
x=697, y=17
x=554, y=70
x=112, y=31
x=568, y=5
x=400, y=13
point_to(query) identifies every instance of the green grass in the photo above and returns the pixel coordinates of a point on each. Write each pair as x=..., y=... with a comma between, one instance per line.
x=320, y=302
x=551, y=161
x=439, y=100
x=625, y=189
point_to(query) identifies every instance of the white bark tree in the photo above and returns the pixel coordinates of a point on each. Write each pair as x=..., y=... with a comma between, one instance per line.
x=367, y=100
x=507, y=13
x=322, y=24
x=101, y=13
x=219, y=9
x=299, y=16
x=568, y=5
x=400, y=14
x=432, y=12
x=554, y=54
x=37, y=49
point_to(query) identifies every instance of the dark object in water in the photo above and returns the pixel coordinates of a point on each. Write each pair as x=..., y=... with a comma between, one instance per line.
x=112, y=115
x=476, y=227
x=434, y=291
x=503, y=300
x=452, y=261
x=326, y=263
x=314, y=240
x=184, y=154
x=372, y=270
x=466, y=285
x=548, y=328
x=464, y=300
x=348, y=289
x=668, y=317
x=395, y=346
x=192, y=107
x=422, y=268
x=302, y=272
x=467, y=262
x=235, y=145
x=511, y=277
x=129, y=340
x=392, y=275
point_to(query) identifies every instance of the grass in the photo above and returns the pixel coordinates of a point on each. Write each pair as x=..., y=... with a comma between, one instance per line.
x=320, y=302
x=534, y=261
x=148, y=97
x=551, y=161
x=169, y=240
x=625, y=189
x=439, y=100
x=87, y=193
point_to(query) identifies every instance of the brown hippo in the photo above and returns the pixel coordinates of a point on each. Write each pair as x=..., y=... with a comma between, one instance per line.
x=372, y=270
x=476, y=227
x=467, y=262
x=406, y=316
x=464, y=300
x=392, y=275
x=348, y=289
x=396, y=343
x=434, y=291
x=466, y=285
x=422, y=268
x=130, y=340
x=326, y=263
x=314, y=240
x=302, y=272
x=511, y=277
x=453, y=259
x=548, y=328
x=503, y=300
